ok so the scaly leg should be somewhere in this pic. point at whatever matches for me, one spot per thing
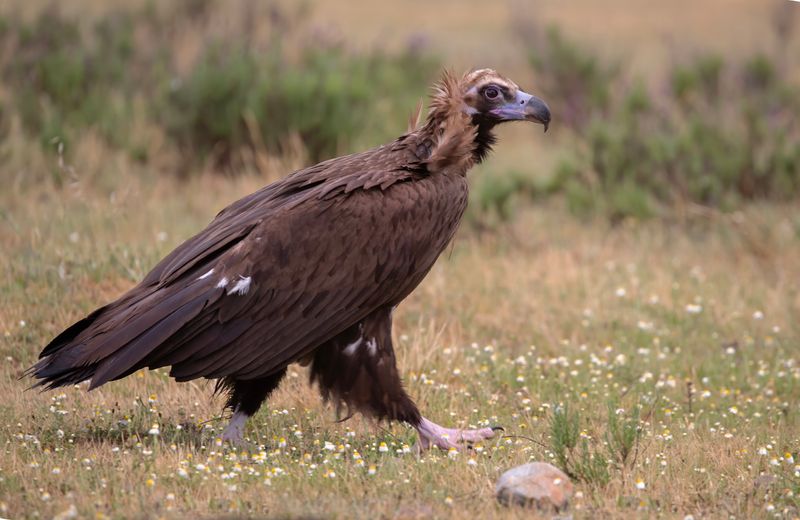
(234, 432)
(357, 370)
(431, 434)
(245, 398)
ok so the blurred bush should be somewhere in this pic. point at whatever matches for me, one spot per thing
(58, 83)
(64, 77)
(721, 132)
(576, 83)
(714, 131)
(234, 98)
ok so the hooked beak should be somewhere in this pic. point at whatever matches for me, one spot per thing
(524, 108)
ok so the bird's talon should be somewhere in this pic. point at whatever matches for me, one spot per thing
(432, 434)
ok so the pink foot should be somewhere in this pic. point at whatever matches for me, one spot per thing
(234, 432)
(431, 434)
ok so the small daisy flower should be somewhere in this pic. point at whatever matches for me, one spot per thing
(694, 308)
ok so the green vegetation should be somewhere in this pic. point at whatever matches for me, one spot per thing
(713, 133)
(653, 359)
(328, 99)
(590, 460)
(237, 93)
(572, 450)
(660, 373)
(721, 133)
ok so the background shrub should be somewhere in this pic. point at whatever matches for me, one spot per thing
(719, 134)
(238, 93)
(711, 132)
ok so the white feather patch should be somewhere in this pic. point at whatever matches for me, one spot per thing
(242, 286)
(372, 347)
(350, 349)
(209, 273)
(222, 283)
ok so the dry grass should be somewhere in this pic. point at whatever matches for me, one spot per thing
(694, 320)
(508, 325)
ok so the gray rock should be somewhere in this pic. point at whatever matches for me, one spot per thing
(536, 484)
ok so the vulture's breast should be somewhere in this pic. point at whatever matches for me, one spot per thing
(420, 220)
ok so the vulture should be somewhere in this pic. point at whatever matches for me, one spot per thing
(306, 270)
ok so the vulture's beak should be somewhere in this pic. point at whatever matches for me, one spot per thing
(525, 108)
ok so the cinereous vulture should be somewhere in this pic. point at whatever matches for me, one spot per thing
(307, 269)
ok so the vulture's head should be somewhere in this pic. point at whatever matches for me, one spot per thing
(488, 98)
(491, 99)
(465, 110)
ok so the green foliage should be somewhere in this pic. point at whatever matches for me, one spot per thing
(576, 83)
(233, 98)
(494, 195)
(583, 457)
(4, 119)
(325, 101)
(722, 131)
(61, 85)
(573, 452)
(66, 78)
(207, 108)
(623, 434)
(701, 77)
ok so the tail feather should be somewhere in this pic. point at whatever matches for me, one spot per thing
(66, 337)
(145, 314)
(173, 352)
(128, 357)
(196, 365)
(117, 339)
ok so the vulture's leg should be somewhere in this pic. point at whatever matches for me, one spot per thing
(431, 434)
(245, 398)
(358, 369)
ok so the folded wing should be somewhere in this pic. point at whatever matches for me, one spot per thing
(272, 277)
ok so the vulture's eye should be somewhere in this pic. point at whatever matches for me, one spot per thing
(491, 93)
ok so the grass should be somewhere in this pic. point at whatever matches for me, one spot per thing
(686, 328)
(657, 362)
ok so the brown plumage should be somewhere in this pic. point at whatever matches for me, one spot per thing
(307, 269)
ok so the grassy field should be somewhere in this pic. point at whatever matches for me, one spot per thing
(684, 330)
(693, 322)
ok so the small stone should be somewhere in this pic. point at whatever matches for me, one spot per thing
(536, 484)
